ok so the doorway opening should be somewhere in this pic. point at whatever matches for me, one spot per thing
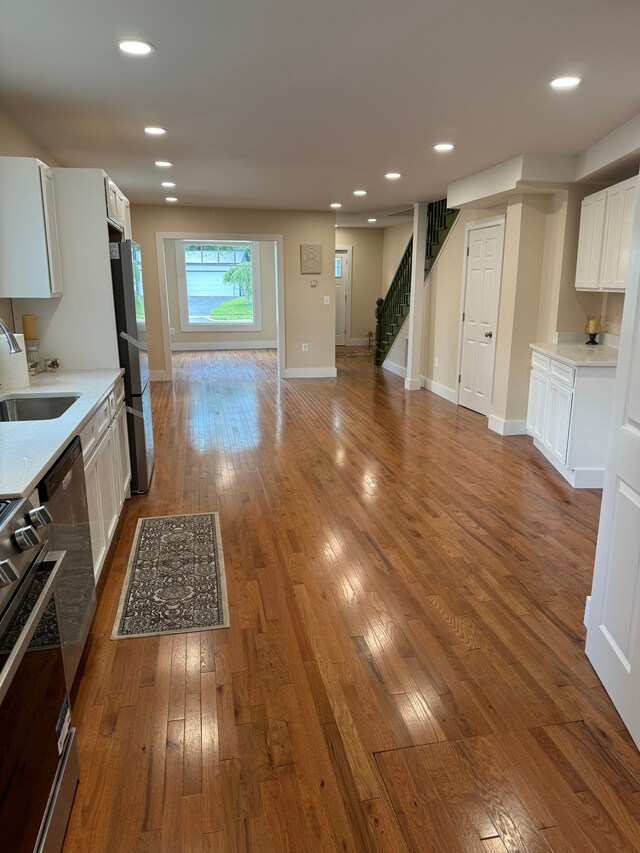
(342, 273)
(221, 292)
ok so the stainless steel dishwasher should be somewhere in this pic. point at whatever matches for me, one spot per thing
(64, 493)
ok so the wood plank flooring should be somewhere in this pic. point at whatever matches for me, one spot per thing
(404, 670)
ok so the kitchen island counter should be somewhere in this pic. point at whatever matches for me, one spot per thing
(29, 448)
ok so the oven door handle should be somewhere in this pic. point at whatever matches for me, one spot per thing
(22, 643)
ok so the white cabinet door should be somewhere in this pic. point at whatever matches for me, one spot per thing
(590, 240)
(96, 524)
(29, 252)
(613, 620)
(537, 409)
(127, 220)
(51, 229)
(110, 510)
(617, 234)
(121, 464)
(558, 421)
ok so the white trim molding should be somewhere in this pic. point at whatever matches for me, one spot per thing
(392, 367)
(503, 427)
(441, 390)
(579, 478)
(310, 373)
(224, 345)
(160, 376)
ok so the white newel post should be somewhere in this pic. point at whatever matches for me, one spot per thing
(416, 326)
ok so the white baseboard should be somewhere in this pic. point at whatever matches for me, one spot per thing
(441, 390)
(224, 345)
(360, 342)
(412, 384)
(579, 478)
(587, 607)
(392, 367)
(507, 427)
(310, 373)
(160, 376)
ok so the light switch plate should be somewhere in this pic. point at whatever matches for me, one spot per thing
(327, 300)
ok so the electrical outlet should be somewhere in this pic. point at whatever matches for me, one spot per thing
(435, 362)
(327, 300)
(305, 347)
(173, 331)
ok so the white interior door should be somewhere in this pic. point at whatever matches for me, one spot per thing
(341, 274)
(613, 614)
(480, 317)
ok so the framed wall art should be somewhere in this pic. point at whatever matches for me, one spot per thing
(310, 259)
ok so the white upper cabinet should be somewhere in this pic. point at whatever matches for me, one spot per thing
(617, 234)
(590, 240)
(605, 237)
(117, 206)
(29, 250)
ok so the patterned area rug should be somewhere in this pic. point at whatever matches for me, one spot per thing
(175, 580)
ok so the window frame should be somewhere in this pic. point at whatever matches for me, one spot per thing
(256, 284)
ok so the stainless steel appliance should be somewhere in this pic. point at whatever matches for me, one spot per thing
(38, 757)
(64, 494)
(128, 297)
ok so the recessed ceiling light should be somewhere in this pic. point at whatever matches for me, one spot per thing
(335, 204)
(372, 220)
(336, 225)
(136, 47)
(443, 146)
(565, 82)
(163, 164)
(393, 176)
(359, 192)
(171, 198)
(155, 131)
(167, 184)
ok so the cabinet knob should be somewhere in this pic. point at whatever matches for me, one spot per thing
(488, 334)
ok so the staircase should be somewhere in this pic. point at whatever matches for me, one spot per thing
(392, 311)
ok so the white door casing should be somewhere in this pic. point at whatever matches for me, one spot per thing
(343, 294)
(481, 300)
(613, 616)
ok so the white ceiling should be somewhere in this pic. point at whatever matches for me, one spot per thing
(290, 104)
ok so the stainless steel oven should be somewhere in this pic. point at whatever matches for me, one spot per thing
(38, 756)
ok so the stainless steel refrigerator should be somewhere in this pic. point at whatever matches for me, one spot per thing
(128, 297)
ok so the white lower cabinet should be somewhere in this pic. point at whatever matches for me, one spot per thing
(568, 416)
(107, 474)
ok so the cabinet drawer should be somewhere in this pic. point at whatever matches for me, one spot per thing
(540, 362)
(102, 418)
(88, 438)
(563, 373)
(119, 393)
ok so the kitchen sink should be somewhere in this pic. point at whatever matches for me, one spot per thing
(34, 408)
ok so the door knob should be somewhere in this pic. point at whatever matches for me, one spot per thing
(488, 334)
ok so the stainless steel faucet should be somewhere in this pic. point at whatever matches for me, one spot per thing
(11, 340)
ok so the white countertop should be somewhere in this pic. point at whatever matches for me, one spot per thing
(579, 355)
(29, 448)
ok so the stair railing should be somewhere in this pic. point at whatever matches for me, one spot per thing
(390, 309)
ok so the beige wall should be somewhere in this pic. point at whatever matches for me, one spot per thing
(268, 300)
(365, 276)
(394, 242)
(308, 320)
(16, 142)
(613, 305)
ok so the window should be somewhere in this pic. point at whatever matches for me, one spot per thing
(219, 285)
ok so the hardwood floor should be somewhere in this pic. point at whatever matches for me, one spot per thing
(404, 668)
